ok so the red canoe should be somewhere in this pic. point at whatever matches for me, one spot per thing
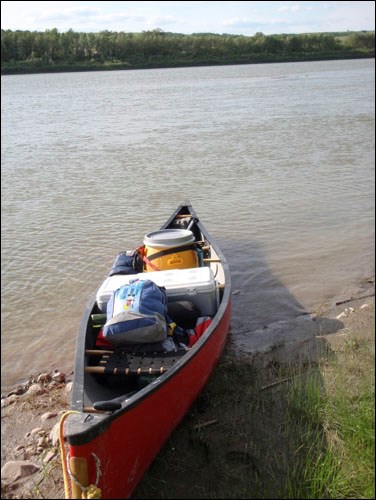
(126, 404)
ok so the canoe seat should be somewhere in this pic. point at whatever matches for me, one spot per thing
(120, 362)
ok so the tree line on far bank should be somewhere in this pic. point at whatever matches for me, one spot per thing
(32, 51)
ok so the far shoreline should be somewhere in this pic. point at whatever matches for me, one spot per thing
(29, 69)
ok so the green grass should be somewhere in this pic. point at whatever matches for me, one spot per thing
(334, 420)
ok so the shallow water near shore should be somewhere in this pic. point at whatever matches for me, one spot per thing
(277, 160)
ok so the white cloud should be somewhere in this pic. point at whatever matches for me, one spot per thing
(160, 21)
(289, 8)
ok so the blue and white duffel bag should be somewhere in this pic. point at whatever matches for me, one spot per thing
(137, 314)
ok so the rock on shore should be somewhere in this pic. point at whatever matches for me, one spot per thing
(30, 454)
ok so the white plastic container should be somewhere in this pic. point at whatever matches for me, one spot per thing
(167, 238)
(195, 284)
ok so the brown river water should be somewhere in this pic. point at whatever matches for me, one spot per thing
(277, 160)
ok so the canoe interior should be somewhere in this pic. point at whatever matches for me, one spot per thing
(93, 386)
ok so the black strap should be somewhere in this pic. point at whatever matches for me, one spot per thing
(170, 251)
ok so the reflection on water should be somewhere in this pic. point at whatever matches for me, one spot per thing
(277, 160)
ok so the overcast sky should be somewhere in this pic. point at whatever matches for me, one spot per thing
(232, 17)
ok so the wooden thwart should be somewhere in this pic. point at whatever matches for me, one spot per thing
(125, 371)
(113, 362)
(97, 352)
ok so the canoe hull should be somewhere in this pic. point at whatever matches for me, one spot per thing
(113, 449)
